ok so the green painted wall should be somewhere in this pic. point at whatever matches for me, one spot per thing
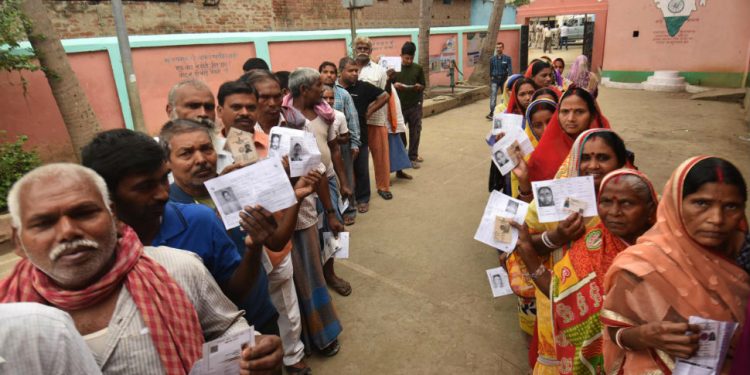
(712, 79)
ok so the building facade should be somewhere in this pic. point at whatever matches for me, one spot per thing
(81, 19)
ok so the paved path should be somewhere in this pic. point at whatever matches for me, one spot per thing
(421, 302)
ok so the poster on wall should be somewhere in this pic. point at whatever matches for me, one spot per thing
(442, 61)
(474, 46)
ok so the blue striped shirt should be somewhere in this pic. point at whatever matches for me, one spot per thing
(500, 67)
(343, 102)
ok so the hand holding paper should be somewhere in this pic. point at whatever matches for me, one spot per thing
(258, 223)
(556, 199)
(264, 184)
(222, 356)
(494, 228)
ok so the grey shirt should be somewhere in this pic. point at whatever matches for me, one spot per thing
(129, 348)
(39, 339)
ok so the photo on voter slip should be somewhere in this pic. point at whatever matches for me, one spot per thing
(495, 229)
(264, 183)
(499, 282)
(504, 122)
(557, 199)
(506, 152)
(280, 140)
(241, 145)
(391, 62)
(713, 346)
(304, 155)
(222, 356)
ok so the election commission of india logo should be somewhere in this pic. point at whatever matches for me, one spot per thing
(676, 12)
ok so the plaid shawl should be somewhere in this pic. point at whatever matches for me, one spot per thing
(164, 306)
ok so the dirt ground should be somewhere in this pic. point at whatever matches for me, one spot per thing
(421, 302)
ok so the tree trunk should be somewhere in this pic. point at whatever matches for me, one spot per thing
(481, 74)
(79, 118)
(425, 20)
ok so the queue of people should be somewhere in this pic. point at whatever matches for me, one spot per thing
(138, 270)
(615, 293)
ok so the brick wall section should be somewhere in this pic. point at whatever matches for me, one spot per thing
(80, 19)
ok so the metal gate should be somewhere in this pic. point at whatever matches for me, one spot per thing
(524, 52)
(588, 40)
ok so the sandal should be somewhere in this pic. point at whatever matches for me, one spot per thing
(332, 349)
(342, 287)
(385, 194)
(299, 370)
(404, 175)
(363, 207)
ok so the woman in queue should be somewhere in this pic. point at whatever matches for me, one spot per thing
(576, 113)
(627, 209)
(684, 266)
(595, 152)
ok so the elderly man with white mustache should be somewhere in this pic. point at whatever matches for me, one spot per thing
(140, 310)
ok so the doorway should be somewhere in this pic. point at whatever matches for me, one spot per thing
(568, 37)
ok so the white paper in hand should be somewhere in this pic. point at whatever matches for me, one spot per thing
(391, 62)
(304, 155)
(504, 122)
(713, 345)
(501, 205)
(222, 356)
(279, 140)
(506, 153)
(499, 282)
(264, 183)
(335, 247)
(556, 199)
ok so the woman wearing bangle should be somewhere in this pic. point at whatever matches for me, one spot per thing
(627, 207)
(684, 266)
(596, 152)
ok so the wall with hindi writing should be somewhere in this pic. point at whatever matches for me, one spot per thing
(709, 44)
(157, 69)
(160, 61)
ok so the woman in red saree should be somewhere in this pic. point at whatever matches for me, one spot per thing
(576, 113)
(684, 266)
(520, 96)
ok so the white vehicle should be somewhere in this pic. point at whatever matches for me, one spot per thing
(575, 27)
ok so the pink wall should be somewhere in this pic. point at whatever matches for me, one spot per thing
(544, 8)
(510, 38)
(292, 55)
(35, 112)
(714, 38)
(388, 46)
(158, 69)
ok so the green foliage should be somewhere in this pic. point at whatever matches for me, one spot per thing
(518, 3)
(14, 163)
(13, 24)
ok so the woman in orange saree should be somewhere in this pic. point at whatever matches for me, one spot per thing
(684, 266)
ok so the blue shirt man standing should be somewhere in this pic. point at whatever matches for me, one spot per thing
(501, 68)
